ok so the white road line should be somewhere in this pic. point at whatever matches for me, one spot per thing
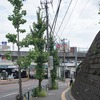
(8, 94)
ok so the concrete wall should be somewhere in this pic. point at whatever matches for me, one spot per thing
(87, 82)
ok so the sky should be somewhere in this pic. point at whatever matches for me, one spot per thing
(80, 25)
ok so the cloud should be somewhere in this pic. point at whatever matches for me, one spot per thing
(80, 29)
(83, 24)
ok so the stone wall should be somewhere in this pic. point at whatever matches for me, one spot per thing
(87, 81)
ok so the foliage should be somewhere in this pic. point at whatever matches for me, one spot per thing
(17, 20)
(54, 53)
(17, 15)
(37, 93)
(25, 62)
(42, 93)
(55, 85)
(11, 38)
(36, 39)
(8, 55)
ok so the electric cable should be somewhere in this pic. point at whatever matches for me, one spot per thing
(55, 18)
(78, 17)
(70, 16)
(64, 16)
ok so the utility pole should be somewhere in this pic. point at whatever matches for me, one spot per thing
(75, 51)
(63, 41)
(48, 39)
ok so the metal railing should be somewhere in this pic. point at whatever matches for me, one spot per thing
(29, 95)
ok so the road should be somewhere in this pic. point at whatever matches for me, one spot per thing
(9, 92)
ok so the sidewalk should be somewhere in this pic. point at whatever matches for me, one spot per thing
(56, 94)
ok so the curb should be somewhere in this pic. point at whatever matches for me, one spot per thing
(71, 95)
(63, 97)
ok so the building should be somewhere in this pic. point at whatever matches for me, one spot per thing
(69, 66)
(70, 60)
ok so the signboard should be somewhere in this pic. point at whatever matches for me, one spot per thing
(61, 46)
(4, 43)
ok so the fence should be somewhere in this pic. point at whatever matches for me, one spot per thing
(29, 95)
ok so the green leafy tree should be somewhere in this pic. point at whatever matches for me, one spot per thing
(11, 38)
(39, 44)
(25, 62)
(8, 55)
(54, 53)
(17, 20)
(36, 39)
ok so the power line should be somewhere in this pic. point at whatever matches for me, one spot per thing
(79, 16)
(70, 16)
(52, 6)
(53, 34)
(55, 18)
(64, 16)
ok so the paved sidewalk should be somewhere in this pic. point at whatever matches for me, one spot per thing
(54, 94)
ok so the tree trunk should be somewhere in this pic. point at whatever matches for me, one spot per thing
(28, 72)
(40, 85)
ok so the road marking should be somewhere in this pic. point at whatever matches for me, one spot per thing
(51, 94)
(63, 94)
(8, 94)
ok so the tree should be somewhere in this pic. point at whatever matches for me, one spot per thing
(54, 53)
(8, 55)
(36, 39)
(11, 38)
(17, 21)
(25, 62)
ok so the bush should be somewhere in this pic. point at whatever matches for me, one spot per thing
(42, 93)
(37, 93)
(55, 86)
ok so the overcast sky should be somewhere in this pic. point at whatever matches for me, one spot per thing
(79, 27)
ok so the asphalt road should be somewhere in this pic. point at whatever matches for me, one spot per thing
(9, 92)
